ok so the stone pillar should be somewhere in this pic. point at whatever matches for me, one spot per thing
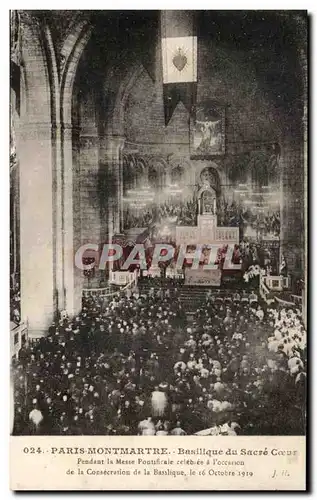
(88, 185)
(292, 206)
(112, 162)
(199, 206)
(70, 206)
(59, 294)
(36, 226)
(283, 196)
(121, 186)
(14, 190)
(78, 213)
(35, 138)
(303, 60)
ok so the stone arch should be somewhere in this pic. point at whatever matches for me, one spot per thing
(53, 73)
(209, 175)
(215, 168)
(177, 174)
(202, 195)
(35, 70)
(74, 30)
(141, 171)
(135, 170)
(157, 168)
(72, 51)
(128, 164)
(263, 167)
(204, 189)
(176, 161)
(71, 54)
(48, 107)
(117, 118)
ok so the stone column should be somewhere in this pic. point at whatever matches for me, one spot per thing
(111, 159)
(70, 206)
(112, 165)
(303, 59)
(292, 207)
(121, 185)
(35, 139)
(88, 185)
(36, 226)
(59, 294)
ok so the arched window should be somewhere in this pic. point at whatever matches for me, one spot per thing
(260, 170)
(210, 177)
(153, 178)
(177, 175)
(128, 173)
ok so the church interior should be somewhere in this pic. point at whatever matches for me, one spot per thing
(145, 128)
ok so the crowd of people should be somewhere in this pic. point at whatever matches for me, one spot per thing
(139, 364)
(252, 253)
(261, 224)
(253, 224)
(249, 254)
(182, 213)
(272, 223)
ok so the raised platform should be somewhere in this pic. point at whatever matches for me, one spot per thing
(203, 277)
(192, 297)
(207, 233)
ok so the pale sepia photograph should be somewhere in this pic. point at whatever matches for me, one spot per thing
(158, 223)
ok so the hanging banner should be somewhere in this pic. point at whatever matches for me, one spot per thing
(174, 93)
(179, 57)
(179, 60)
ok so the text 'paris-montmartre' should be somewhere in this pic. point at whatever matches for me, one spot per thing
(165, 451)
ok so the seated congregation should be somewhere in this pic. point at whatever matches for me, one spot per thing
(140, 365)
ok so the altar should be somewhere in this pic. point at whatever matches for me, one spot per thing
(207, 231)
(203, 277)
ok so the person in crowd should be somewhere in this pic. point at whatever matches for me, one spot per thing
(15, 302)
(35, 417)
(178, 431)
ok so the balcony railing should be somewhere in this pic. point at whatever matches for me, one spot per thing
(18, 338)
(123, 280)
